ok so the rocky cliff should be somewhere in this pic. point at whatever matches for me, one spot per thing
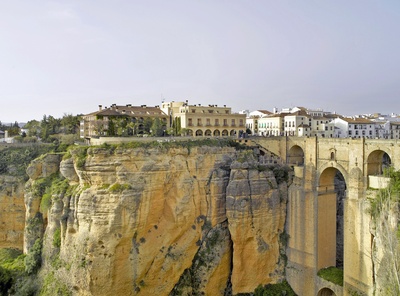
(157, 221)
(12, 212)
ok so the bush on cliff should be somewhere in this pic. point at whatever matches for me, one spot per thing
(14, 160)
(385, 214)
(33, 259)
(13, 279)
(282, 288)
(332, 274)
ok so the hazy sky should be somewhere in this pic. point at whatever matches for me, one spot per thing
(70, 56)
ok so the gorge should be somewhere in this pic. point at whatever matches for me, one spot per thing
(207, 217)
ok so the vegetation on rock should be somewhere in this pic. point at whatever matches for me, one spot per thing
(282, 288)
(385, 213)
(14, 160)
(13, 278)
(332, 274)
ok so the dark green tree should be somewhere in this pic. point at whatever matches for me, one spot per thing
(33, 127)
(70, 124)
(148, 122)
(157, 128)
(176, 126)
(111, 131)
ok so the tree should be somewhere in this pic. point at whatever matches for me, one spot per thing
(69, 124)
(148, 122)
(33, 127)
(176, 126)
(157, 128)
(111, 131)
(44, 128)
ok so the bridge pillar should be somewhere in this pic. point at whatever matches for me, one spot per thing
(301, 228)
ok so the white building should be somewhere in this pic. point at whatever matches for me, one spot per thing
(354, 128)
(253, 118)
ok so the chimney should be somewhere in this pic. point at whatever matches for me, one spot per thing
(100, 107)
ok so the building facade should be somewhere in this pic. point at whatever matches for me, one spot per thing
(125, 120)
(205, 121)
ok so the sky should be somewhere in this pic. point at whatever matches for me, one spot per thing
(67, 57)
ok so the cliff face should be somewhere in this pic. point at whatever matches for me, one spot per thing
(158, 222)
(12, 212)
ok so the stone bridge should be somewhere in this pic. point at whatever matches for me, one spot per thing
(327, 228)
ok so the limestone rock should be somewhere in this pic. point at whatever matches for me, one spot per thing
(256, 217)
(12, 212)
(153, 221)
(68, 171)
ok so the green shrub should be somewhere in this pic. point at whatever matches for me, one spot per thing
(55, 184)
(5, 280)
(282, 288)
(116, 187)
(332, 274)
(33, 259)
(15, 160)
(45, 203)
(39, 186)
(80, 154)
(13, 279)
(281, 173)
(52, 286)
(57, 238)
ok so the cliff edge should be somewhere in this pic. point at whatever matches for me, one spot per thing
(157, 221)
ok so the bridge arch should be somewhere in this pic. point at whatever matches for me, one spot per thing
(296, 155)
(332, 185)
(326, 292)
(377, 161)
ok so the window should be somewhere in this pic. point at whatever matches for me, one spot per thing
(190, 123)
(198, 121)
(225, 122)
(233, 122)
(193, 110)
(208, 122)
(216, 122)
